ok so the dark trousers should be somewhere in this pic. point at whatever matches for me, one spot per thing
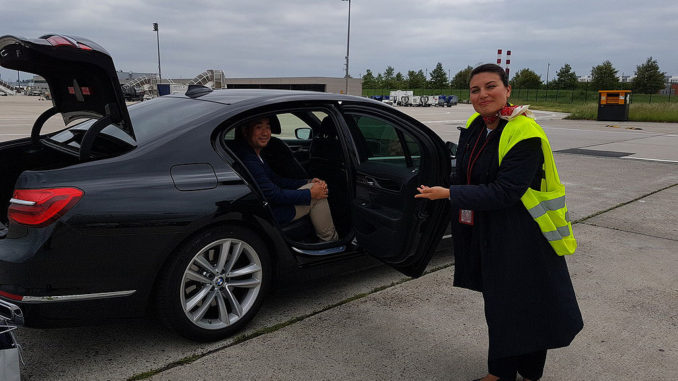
(529, 365)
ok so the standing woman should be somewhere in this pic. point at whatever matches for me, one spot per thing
(510, 229)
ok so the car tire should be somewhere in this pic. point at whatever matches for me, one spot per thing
(214, 284)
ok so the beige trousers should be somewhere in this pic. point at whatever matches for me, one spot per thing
(321, 216)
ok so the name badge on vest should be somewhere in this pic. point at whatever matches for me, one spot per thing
(466, 216)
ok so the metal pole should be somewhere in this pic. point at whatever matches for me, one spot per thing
(348, 41)
(548, 68)
(157, 34)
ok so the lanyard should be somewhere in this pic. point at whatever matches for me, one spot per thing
(472, 160)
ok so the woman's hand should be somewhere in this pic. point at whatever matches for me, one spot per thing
(432, 193)
(318, 190)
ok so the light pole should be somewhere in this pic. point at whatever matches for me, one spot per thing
(348, 40)
(157, 34)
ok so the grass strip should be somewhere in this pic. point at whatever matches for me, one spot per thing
(270, 329)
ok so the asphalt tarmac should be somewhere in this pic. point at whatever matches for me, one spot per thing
(363, 321)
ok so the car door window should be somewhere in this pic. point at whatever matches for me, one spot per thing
(289, 123)
(386, 144)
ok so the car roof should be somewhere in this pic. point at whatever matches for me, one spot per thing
(263, 96)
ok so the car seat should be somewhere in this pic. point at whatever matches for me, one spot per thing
(280, 157)
(327, 162)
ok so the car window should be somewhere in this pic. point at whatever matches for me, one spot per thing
(386, 143)
(289, 123)
(150, 120)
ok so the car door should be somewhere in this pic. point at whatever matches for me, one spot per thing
(394, 155)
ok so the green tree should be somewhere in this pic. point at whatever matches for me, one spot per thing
(399, 81)
(526, 79)
(462, 78)
(648, 78)
(379, 81)
(416, 80)
(389, 78)
(369, 81)
(604, 77)
(566, 78)
(438, 77)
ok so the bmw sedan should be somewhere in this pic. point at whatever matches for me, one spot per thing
(148, 207)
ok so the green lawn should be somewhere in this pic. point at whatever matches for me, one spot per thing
(638, 112)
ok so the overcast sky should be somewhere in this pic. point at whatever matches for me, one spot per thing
(267, 38)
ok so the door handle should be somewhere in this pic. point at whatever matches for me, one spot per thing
(371, 181)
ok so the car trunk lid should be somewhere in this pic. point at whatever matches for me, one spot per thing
(80, 73)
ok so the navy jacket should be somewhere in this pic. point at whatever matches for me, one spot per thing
(530, 304)
(281, 192)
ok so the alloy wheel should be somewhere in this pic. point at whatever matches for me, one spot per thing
(221, 284)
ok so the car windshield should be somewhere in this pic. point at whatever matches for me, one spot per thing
(150, 119)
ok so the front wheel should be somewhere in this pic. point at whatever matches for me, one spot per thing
(214, 284)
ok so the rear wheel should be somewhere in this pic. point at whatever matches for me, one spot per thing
(214, 284)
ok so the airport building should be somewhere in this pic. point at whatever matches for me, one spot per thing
(216, 79)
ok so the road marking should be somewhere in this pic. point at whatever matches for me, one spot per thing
(546, 126)
(445, 121)
(649, 159)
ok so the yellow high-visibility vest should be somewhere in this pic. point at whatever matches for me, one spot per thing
(547, 205)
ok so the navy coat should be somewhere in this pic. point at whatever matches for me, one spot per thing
(530, 304)
(281, 192)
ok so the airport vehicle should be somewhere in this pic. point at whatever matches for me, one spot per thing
(132, 94)
(447, 100)
(148, 206)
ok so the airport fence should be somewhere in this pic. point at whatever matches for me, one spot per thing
(527, 96)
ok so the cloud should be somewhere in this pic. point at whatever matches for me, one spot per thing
(308, 37)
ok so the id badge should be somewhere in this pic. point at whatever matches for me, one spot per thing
(466, 216)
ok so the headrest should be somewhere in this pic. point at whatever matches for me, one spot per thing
(275, 124)
(327, 128)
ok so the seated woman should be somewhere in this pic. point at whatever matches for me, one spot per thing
(290, 199)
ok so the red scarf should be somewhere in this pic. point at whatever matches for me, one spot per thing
(505, 111)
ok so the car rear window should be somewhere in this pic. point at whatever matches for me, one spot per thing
(150, 119)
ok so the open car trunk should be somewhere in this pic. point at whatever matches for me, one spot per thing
(19, 156)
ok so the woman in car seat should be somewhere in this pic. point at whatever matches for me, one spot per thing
(509, 251)
(290, 199)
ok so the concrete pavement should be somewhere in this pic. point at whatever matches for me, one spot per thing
(626, 285)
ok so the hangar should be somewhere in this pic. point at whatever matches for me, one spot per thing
(216, 79)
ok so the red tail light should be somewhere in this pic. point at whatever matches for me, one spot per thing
(66, 41)
(60, 41)
(41, 207)
(11, 296)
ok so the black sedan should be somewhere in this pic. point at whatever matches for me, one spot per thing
(148, 206)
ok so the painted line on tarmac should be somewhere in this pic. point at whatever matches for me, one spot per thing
(444, 121)
(616, 131)
(650, 159)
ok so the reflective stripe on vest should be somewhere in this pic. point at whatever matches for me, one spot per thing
(546, 206)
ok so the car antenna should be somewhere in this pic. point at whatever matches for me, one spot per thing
(195, 91)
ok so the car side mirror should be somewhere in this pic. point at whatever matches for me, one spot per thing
(303, 133)
(452, 147)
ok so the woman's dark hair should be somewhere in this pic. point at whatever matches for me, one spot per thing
(491, 68)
